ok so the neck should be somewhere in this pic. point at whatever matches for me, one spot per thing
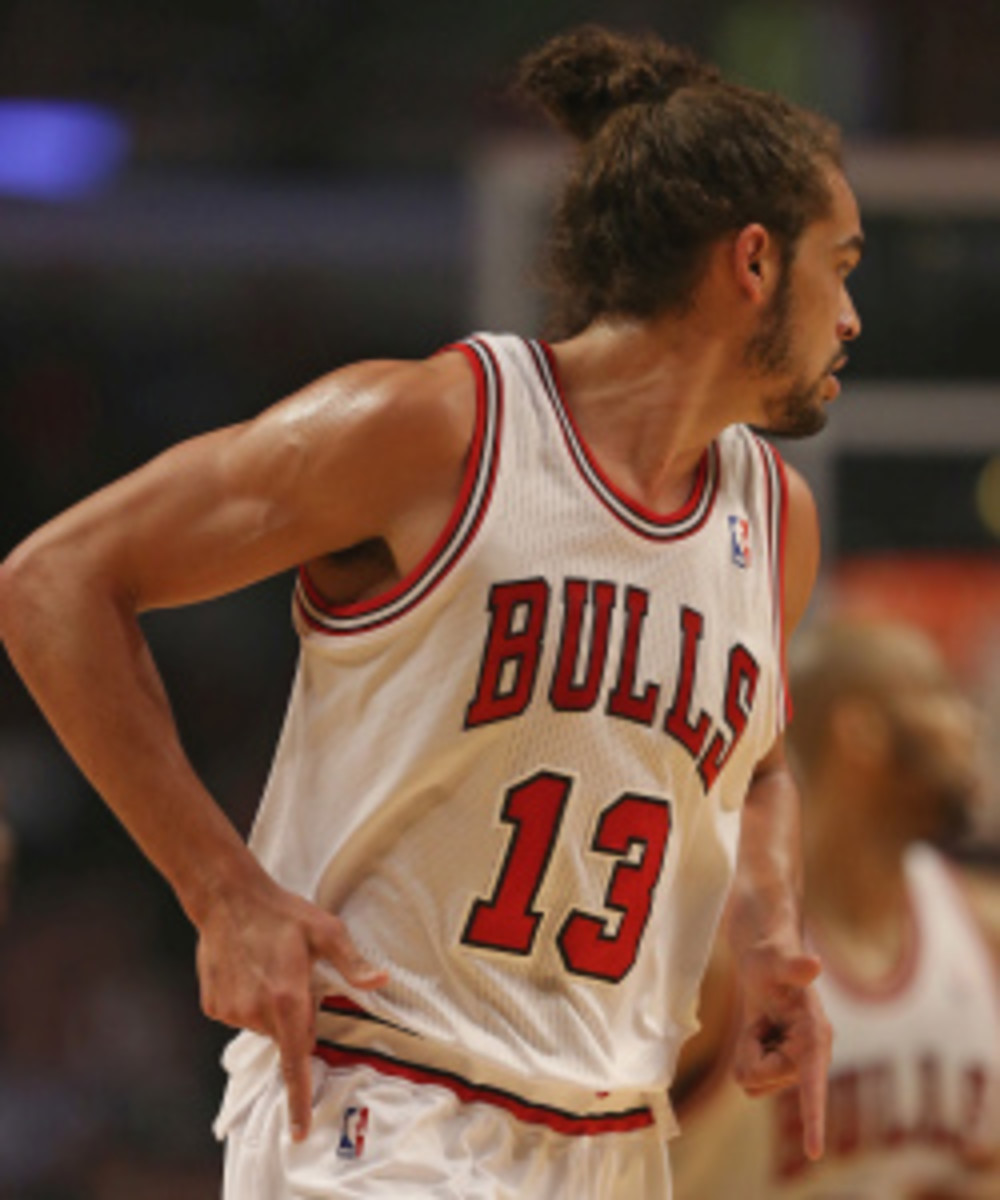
(648, 398)
(856, 899)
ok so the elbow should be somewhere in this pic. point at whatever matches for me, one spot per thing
(22, 582)
(40, 583)
(12, 572)
(64, 582)
(51, 580)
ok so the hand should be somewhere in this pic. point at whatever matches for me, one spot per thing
(256, 950)
(785, 1039)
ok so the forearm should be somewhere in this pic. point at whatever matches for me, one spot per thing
(77, 644)
(766, 900)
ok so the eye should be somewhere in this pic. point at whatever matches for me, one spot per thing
(847, 267)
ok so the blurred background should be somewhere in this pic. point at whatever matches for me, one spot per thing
(205, 204)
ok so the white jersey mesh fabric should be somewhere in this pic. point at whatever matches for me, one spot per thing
(518, 775)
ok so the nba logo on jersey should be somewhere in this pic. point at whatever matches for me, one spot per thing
(739, 538)
(352, 1132)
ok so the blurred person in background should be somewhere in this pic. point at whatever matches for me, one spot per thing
(885, 750)
(536, 732)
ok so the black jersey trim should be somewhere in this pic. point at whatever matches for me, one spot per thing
(337, 1054)
(656, 526)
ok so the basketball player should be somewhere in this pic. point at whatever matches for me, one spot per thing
(542, 612)
(885, 749)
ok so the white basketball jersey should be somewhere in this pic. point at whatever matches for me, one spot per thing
(912, 1102)
(518, 774)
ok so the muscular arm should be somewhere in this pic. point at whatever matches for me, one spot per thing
(206, 518)
(786, 1039)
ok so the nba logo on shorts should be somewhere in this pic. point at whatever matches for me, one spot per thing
(739, 538)
(352, 1132)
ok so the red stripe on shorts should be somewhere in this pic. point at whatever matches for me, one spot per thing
(573, 1124)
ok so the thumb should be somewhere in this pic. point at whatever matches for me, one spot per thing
(331, 941)
(797, 970)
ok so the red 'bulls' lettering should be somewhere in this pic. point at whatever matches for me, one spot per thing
(878, 1106)
(513, 654)
(565, 694)
(691, 736)
(510, 664)
(624, 702)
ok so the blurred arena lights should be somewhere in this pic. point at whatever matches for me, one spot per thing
(59, 149)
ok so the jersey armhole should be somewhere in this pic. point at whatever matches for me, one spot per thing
(780, 552)
(318, 615)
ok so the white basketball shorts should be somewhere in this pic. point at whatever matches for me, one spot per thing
(378, 1135)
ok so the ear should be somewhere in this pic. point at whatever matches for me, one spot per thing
(756, 263)
(860, 733)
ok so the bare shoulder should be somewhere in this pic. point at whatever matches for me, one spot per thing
(363, 453)
(371, 439)
(393, 409)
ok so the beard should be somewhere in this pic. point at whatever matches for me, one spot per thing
(796, 410)
(954, 819)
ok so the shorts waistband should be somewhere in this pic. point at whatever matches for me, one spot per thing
(348, 1035)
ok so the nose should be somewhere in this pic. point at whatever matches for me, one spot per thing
(849, 324)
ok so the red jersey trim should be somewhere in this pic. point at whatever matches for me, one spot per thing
(663, 527)
(894, 982)
(573, 1124)
(466, 517)
(780, 581)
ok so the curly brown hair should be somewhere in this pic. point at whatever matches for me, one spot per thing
(670, 158)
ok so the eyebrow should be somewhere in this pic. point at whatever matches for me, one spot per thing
(855, 242)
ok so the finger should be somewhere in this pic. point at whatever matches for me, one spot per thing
(813, 1070)
(760, 1070)
(774, 966)
(798, 970)
(812, 1103)
(763, 1079)
(332, 942)
(770, 1088)
(294, 1032)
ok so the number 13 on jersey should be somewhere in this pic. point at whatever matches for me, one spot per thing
(508, 922)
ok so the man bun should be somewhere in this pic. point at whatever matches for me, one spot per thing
(582, 77)
(670, 158)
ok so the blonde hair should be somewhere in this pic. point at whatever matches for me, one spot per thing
(876, 660)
